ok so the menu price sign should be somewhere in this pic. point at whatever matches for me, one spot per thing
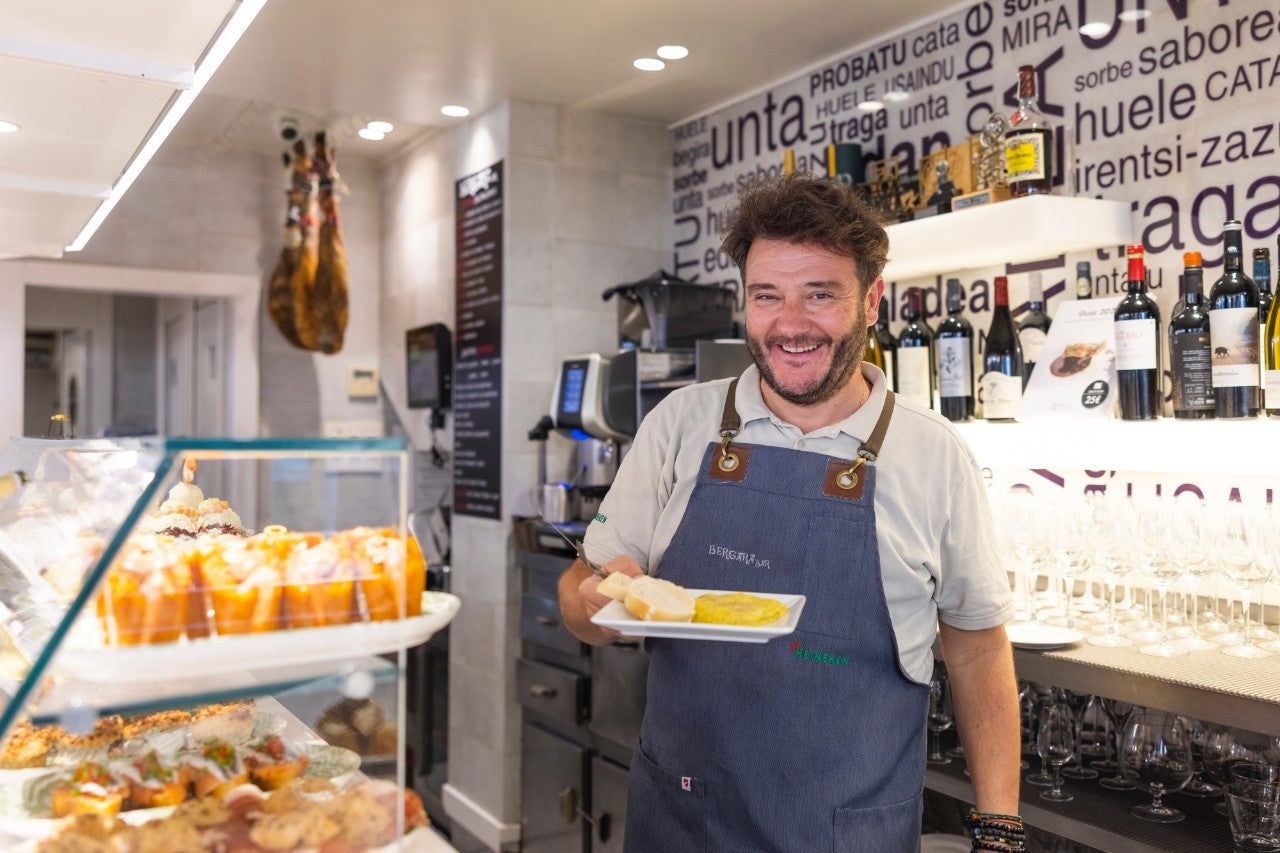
(1075, 375)
(477, 380)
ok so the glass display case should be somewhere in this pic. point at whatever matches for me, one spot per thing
(206, 639)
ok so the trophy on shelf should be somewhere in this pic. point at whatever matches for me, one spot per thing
(989, 171)
(886, 190)
(936, 185)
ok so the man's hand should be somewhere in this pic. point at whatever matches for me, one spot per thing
(580, 599)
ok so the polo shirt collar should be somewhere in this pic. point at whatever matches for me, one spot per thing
(859, 425)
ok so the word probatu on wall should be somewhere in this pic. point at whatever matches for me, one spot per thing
(1174, 113)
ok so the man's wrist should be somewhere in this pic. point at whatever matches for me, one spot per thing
(998, 833)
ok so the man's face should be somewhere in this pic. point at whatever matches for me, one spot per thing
(806, 318)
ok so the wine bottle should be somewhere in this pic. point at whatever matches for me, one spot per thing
(915, 354)
(1137, 328)
(953, 346)
(1033, 328)
(1028, 145)
(873, 354)
(1001, 361)
(1262, 278)
(1190, 354)
(887, 344)
(1271, 346)
(1084, 280)
(1233, 323)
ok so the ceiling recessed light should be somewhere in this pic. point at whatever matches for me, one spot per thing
(673, 51)
(455, 111)
(1095, 29)
(648, 63)
(1134, 14)
(381, 126)
(870, 106)
(896, 95)
(8, 127)
(370, 134)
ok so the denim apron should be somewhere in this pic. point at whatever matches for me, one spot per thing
(813, 741)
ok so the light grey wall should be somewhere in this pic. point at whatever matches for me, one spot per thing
(221, 211)
(585, 203)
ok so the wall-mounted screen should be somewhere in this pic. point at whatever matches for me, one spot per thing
(429, 366)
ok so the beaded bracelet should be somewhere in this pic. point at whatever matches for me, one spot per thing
(996, 832)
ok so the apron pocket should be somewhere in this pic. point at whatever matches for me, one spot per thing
(665, 811)
(893, 828)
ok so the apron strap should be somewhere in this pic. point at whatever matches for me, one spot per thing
(844, 478)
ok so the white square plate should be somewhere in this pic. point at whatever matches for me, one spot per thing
(614, 615)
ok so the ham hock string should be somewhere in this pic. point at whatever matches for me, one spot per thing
(307, 294)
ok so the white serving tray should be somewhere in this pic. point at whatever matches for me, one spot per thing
(614, 615)
(269, 650)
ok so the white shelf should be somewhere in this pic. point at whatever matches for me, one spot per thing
(1167, 445)
(1022, 229)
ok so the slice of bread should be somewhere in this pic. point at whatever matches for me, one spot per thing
(657, 600)
(615, 586)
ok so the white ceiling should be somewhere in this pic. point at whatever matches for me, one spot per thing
(87, 79)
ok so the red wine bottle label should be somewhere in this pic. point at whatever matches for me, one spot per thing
(1032, 341)
(913, 374)
(954, 379)
(1234, 334)
(1136, 345)
(1191, 367)
(1001, 395)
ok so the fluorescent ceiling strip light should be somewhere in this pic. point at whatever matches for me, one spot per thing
(97, 62)
(235, 27)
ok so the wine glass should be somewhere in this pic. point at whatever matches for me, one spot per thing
(940, 718)
(1075, 769)
(1042, 695)
(1200, 735)
(1156, 755)
(1246, 546)
(1110, 565)
(1022, 523)
(1056, 744)
(1159, 563)
(1071, 545)
(1189, 541)
(1117, 712)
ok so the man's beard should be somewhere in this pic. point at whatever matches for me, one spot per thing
(846, 355)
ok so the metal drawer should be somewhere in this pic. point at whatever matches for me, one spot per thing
(608, 805)
(553, 790)
(559, 694)
(619, 675)
(540, 623)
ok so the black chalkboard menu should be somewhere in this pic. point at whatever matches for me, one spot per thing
(477, 388)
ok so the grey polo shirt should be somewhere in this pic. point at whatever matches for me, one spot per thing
(938, 555)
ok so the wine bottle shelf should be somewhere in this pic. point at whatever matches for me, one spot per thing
(1022, 229)
(1100, 818)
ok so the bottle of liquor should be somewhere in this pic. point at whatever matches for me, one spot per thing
(1233, 322)
(1001, 361)
(1262, 278)
(886, 343)
(915, 354)
(1084, 280)
(1033, 328)
(1190, 353)
(1137, 326)
(953, 346)
(1028, 146)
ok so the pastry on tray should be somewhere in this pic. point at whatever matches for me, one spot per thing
(215, 767)
(91, 788)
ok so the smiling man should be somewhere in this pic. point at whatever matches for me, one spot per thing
(870, 506)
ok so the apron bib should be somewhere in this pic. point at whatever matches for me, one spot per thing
(813, 741)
